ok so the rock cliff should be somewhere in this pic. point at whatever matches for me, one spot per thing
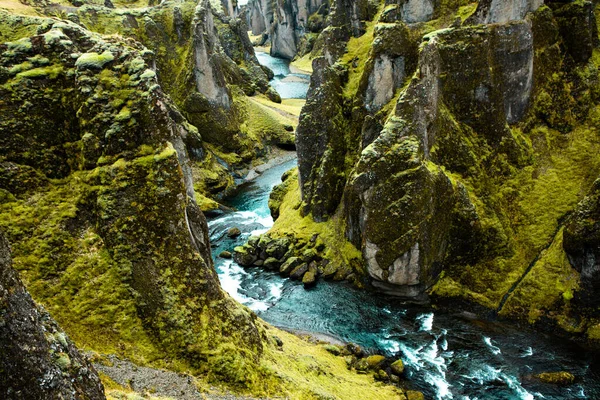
(287, 23)
(434, 139)
(98, 198)
(38, 360)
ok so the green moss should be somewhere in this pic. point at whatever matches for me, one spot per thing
(51, 72)
(75, 277)
(94, 60)
(205, 203)
(547, 287)
(357, 54)
(331, 234)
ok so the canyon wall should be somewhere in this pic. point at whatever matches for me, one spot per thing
(98, 201)
(444, 140)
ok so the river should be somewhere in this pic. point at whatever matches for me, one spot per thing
(447, 356)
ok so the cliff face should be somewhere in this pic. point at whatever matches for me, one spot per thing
(38, 359)
(98, 198)
(431, 146)
(286, 22)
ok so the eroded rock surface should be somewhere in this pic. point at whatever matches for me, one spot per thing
(38, 360)
(88, 110)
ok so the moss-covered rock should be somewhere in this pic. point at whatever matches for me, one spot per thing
(107, 232)
(397, 367)
(557, 378)
(452, 169)
(35, 350)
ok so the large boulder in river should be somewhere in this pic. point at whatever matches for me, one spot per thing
(38, 360)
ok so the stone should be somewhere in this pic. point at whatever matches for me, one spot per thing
(355, 349)
(329, 271)
(233, 232)
(375, 361)
(382, 376)
(258, 263)
(299, 271)
(362, 365)
(309, 279)
(277, 248)
(397, 367)
(414, 395)
(309, 255)
(225, 254)
(557, 378)
(289, 265)
(272, 264)
(243, 255)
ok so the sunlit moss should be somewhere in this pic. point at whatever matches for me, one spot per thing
(331, 233)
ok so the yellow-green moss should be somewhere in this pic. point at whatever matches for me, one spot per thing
(331, 233)
(309, 371)
(550, 284)
(529, 204)
(75, 277)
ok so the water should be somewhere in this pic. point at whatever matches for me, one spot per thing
(289, 85)
(447, 356)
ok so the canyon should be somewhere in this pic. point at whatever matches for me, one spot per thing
(404, 183)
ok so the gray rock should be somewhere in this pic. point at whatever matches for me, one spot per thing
(289, 265)
(299, 272)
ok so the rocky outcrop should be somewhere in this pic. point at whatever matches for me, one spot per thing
(285, 22)
(404, 136)
(38, 360)
(501, 11)
(204, 51)
(581, 241)
(133, 259)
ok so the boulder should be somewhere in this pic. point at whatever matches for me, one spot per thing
(309, 279)
(243, 255)
(233, 232)
(299, 272)
(289, 265)
(382, 376)
(271, 264)
(225, 254)
(414, 395)
(375, 361)
(397, 367)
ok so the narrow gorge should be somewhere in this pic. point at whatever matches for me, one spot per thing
(299, 199)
